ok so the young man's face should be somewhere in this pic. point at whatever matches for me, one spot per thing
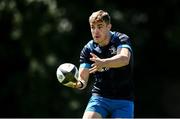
(100, 31)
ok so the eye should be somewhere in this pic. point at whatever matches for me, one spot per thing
(99, 27)
(92, 27)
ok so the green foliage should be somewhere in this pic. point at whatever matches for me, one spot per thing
(38, 35)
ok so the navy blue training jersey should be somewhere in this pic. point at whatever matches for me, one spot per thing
(114, 83)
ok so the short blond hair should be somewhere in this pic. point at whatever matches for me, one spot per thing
(100, 16)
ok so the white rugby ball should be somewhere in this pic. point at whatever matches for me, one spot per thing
(67, 72)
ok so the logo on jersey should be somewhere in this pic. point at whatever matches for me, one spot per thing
(104, 69)
(113, 50)
(97, 49)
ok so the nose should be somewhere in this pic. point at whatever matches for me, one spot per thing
(96, 30)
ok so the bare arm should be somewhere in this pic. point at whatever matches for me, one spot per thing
(120, 59)
(82, 78)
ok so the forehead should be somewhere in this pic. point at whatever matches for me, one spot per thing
(97, 23)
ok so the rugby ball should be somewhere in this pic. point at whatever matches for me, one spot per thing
(67, 72)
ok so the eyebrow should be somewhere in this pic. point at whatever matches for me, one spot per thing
(97, 24)
(100, 25)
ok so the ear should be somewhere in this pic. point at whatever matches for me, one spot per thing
(109, 26)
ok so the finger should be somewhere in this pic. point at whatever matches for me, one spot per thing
(92, 65)
(70, 84)
(93, 59)
(92, 70)
(93, 55)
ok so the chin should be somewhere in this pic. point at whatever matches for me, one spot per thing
(96, 41)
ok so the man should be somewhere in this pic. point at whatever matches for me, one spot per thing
(109, 58)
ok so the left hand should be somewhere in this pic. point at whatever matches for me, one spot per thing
(97, 65)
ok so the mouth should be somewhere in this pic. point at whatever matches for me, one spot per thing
(97, 37)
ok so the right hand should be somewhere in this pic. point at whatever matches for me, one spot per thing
(73, 84)
(70, 84)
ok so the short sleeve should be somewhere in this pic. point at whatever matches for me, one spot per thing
(85, 56)
(123, 41)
